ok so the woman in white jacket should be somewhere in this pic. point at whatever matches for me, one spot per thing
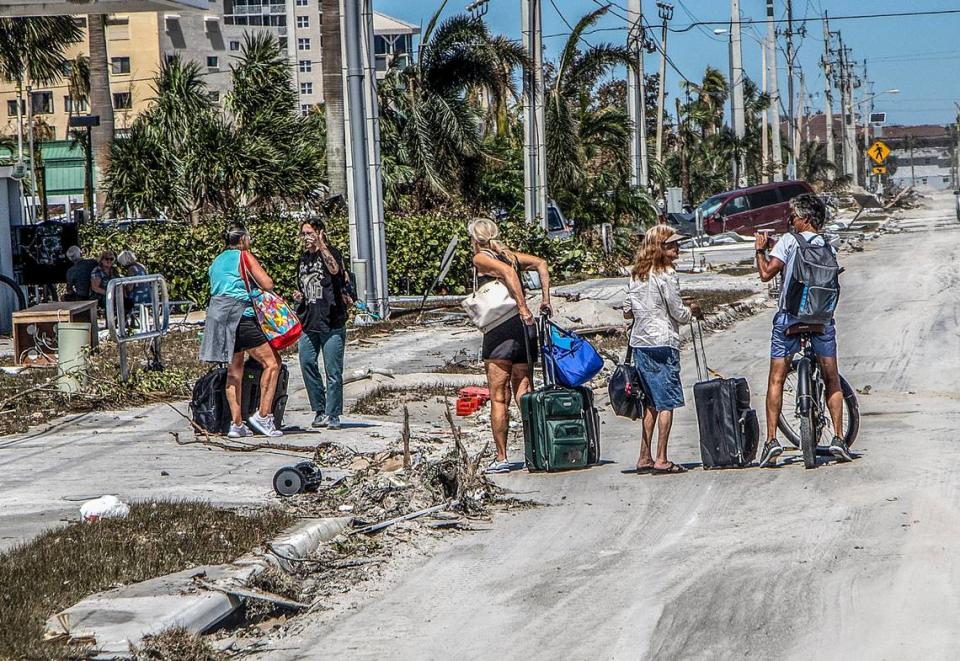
(655, 305)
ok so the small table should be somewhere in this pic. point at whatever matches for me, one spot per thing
(46, 316)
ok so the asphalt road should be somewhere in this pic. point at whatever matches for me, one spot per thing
(846, 561)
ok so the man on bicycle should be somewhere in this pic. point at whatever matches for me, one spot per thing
(807, 216)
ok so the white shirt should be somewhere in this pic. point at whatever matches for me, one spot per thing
(657, 310)
(786, 251)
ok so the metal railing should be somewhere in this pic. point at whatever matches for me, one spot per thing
(159, 308)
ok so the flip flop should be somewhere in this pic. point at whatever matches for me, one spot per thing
(675, 469)
(644, 470)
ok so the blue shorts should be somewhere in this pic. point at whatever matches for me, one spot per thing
(782, 346)
(659, 370)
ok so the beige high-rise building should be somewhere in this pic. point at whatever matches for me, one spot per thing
(138, 42)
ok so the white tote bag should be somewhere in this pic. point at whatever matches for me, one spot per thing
(490, 305)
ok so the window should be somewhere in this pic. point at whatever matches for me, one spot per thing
(42, 103)
(303, 43)
(213, 62)
(70, 107)
(303, 21)
(171, 57)
(234, 45)
(304, 108)
(306, 88)
(924, 181)
(119, 65)
(122, 101)
(305, 66)
(118, 28)
(763, 198)
(737, 204)
(214, 97)
(302, 3)
(12, 108)
(946, 180)
(790, 191)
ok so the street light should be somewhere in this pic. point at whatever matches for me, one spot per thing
(87, 122)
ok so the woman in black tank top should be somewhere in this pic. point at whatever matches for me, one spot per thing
(511, 348)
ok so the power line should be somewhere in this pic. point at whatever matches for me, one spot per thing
(850, 17)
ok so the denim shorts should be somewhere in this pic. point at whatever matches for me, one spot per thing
(659, 370)
(782, 346)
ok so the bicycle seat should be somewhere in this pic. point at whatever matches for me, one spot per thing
(805, 329)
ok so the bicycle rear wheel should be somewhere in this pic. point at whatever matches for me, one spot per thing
(789, 422)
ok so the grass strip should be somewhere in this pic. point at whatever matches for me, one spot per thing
(62, 566)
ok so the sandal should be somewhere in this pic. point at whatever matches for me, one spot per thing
(644, 470)
(673, 469)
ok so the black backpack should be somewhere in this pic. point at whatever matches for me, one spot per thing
(814, 288)
(209, 402)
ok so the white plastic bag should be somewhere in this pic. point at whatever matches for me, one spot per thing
(104, 507)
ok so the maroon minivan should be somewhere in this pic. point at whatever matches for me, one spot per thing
(747, 210)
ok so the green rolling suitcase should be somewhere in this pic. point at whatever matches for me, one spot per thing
(555, 434)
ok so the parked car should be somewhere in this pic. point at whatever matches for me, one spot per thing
(747, 210)
(558, 226)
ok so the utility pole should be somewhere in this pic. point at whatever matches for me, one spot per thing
(867, 111)
(849, 128)
(736, 99)
(364, 192)
(636, 96)
(827, 63)
(764, 133)
(791, 117)
(534, 152)
(665, 11)
(774, 93)
(799, 124)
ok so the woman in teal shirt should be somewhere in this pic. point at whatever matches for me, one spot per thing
(231, 330)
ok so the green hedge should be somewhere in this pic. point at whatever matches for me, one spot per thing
(415, 246)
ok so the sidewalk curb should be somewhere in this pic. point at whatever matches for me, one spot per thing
(119, 618)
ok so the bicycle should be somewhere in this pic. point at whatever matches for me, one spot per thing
(811, 417)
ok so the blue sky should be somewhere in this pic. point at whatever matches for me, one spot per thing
(918, 55)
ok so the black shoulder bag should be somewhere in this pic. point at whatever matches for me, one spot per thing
(626, 393)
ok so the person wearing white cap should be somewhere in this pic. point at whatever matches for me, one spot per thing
(655, 305)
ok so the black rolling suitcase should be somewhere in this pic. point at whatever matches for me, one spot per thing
(729, 429)
(591, 416)
(250, 391)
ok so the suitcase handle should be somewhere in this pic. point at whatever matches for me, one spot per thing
(696, 332)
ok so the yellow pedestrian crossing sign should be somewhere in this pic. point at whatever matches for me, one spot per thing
(879, 170)
(878, 152)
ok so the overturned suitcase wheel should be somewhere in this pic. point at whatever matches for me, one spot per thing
(288, 481)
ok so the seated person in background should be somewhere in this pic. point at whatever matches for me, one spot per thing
(101, 275)
(78, 275)
(135, 294)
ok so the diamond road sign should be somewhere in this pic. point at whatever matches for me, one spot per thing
(878, 152)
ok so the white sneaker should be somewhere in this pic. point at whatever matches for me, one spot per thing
(497, 466)
(264, 425)
(239, 431)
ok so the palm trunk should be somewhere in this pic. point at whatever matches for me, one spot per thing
(333, 98)
(101, 103)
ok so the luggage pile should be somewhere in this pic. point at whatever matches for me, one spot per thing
(561, 425)
(209, 402)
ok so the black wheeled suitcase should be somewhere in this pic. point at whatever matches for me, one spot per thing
(729, 429)
(591, 416)
(250, 391)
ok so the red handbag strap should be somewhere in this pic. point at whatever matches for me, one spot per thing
(245, 270)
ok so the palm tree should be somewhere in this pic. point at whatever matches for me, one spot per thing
(101, 101)
(712, 93)
(426, 113)
(813, 162)
(333, 98)
(570, 115)
(31, 49)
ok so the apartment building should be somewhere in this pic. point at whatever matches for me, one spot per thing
(137, 44)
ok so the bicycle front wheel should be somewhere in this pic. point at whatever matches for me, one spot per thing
(808, 440)
(789, 422)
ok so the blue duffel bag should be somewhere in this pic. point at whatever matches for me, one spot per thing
(572, 360)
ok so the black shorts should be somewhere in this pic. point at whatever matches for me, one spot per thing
(249, 335)
(505, 342)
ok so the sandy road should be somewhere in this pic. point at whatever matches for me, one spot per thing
(846, 561)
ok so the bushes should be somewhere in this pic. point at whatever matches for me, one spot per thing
(415, 246)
